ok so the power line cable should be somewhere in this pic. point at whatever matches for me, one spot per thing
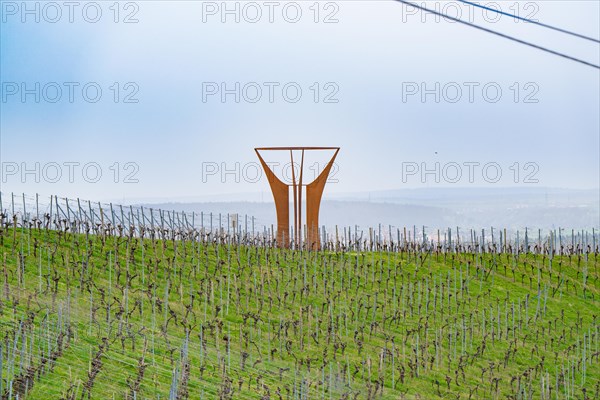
(514, 39)
(532, 21)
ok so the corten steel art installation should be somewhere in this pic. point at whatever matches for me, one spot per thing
(314, 192)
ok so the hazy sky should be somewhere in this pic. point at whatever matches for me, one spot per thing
(187, 91)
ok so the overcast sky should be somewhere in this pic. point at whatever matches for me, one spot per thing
(187, 91)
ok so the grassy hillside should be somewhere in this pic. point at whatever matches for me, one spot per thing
(85, 316)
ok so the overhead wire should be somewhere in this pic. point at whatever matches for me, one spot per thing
(502, 35)
(531, 21)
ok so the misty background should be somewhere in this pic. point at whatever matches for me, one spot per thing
(388, 85)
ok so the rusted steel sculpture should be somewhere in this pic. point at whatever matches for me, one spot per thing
(314, 192)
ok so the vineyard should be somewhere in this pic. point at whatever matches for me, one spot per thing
(103, 313)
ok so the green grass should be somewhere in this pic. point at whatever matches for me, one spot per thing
(287, 324)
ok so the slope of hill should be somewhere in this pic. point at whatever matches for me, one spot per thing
(104, 316)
